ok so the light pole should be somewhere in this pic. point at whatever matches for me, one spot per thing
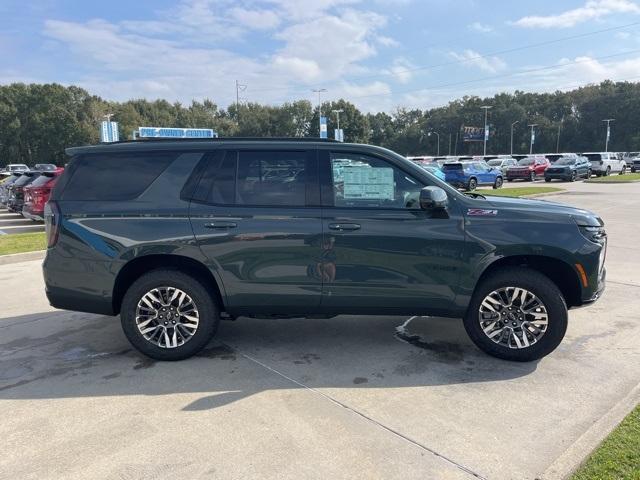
(486, 133)
(606, 142)
(513, 125)
(438, 135)
(533, 137)
(319, 91)
(338, 112)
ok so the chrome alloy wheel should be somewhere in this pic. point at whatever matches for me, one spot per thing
(167, 317)
(513, 317)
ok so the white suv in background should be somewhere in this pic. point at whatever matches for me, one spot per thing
(606, 163)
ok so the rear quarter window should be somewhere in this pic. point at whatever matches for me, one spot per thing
(115, 176)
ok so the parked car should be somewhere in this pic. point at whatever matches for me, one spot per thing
(37, 193)
(528, 168)
(430, 166)
(468, 175)
(634, 164)
(16, 191)
(45, 167)
(568, 169)
(171, 235)
(4, 187)
(502, 163)
(16, 167)
(606, 163)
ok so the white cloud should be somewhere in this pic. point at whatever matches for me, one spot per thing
(487, 64)
(480, 27)
(184, 54)
(401, 70)
(256, 19)
(592, 9)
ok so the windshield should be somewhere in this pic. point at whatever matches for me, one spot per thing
(566, 161)
(495, 163)
(526, 161)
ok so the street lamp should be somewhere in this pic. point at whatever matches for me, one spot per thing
(606, 142)
(533, 137)
(513, 125)
(338, 112)
(438, 135)
(319, 91)
(486, 133)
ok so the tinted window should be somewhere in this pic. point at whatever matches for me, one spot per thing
(26, 179)
(115, 176)
(593, 157)
(271, 178)
(495, 163)
(526, 161)
(365, 182)
(451, 167)
(566, 161)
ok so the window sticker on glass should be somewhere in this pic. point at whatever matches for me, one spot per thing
(368, 183)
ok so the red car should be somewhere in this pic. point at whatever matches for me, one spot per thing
(528, 168)
(37, 194)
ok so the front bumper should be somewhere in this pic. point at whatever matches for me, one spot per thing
(521, 174)
(564, 175)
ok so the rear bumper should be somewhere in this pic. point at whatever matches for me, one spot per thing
(33, 215)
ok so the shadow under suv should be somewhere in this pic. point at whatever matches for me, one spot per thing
(173, 234)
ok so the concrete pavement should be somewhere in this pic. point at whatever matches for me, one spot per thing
(341, 398)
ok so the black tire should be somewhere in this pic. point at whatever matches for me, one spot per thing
(473, 183)
(498, 183)
(509, 179)
(574, 176)
(607, 172)
(532, 177)
(209, 316)
(539, 285)
(624, 170)
(547, 179)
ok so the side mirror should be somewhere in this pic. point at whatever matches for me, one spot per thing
(433, 198)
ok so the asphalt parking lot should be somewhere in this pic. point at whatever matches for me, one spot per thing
(11, 223)
(341, 398)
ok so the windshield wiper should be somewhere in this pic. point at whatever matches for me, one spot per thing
(475, 195)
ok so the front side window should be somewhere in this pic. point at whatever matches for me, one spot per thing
(361, 181)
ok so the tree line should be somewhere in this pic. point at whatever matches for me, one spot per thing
(38, 121)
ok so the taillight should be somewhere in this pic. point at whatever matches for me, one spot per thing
(52, 223)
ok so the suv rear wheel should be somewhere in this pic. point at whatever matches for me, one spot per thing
(498, 183)
(473, 183)
(168, 315)
(517, 314)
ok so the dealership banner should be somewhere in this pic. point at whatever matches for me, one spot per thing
(473, 134)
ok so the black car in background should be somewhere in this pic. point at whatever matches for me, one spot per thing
(15, 201)
(568, 168)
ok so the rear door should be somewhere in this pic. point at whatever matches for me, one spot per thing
(256, 216)
(380, 251)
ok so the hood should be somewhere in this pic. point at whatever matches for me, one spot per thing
(582, 217)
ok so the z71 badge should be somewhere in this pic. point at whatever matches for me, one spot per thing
(481, 212)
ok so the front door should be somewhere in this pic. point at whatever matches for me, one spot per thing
(256, 216)
(380, 251)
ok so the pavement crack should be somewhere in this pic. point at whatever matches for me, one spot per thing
(362, 415)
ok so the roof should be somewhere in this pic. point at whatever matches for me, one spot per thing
(195, 143)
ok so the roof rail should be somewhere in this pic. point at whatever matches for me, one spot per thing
(218, 139)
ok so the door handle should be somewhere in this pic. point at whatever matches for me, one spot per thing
(344, 227)
(220, 225)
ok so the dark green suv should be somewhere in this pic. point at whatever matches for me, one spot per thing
(173, 235)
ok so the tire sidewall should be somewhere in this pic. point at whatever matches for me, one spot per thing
(209, 317)
(473, 183)
(540, 286)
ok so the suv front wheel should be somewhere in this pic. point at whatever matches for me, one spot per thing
(517, 314)
(168, 315)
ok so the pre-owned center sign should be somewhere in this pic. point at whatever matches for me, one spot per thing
(160, 132)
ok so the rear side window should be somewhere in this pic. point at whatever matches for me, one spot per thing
(451, 167)
(115, 176)
(42, 180)
(258, 178)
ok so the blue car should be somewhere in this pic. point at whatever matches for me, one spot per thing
(431, 167)
(468, 175)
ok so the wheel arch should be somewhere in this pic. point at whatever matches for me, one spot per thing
(558, 271)
(137, 267)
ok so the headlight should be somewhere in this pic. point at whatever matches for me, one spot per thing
(594, 234)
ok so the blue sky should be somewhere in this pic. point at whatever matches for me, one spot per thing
(380, 54)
